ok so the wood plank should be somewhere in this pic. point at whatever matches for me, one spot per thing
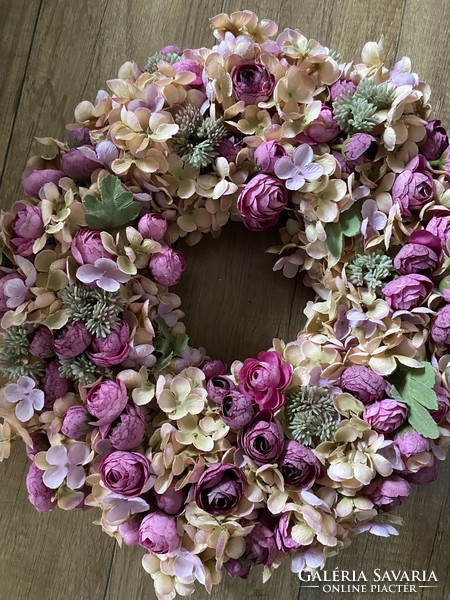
(17, 28)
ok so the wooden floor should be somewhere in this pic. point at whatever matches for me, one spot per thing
(55, 53)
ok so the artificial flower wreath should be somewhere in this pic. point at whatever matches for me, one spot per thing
(288, 454)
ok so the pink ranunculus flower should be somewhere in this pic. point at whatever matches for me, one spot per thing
(72, 340)
(75, 423)
(167, 266)
(237, 410)
(218, 387)
(53, 384)
(386, 415)
(299, 465)
(440, 226)
(264, 379)
(128, 431)
(267, 154)
(422, 254)
(364, 383)
(77, 166)
(236, 567)
(158, 533)
(125, 473)
(261, 202)
(106, 400)
(39, 494)
(41, 344)
(213, 368)
(104, 273)
(111, 349)
(26, 228)
(341, 87)
(388, 492)
(440, 328)
(87, 246)
(299, 169)
(153, 226)
(360, 149)
(408, 291)
(171, 501)
(262, 440)
(413, 187)
(322, 130)
(252, 83)
(411, 443)
(219, 489)
(33, 181)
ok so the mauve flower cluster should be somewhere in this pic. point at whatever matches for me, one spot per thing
(213, 469)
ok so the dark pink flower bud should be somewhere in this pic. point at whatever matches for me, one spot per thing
(153, 226)
(79, 137)
(386, 416)
(33, 181)
(78, 166)
(262, 201)
(388, 492)
(39, 494)
(440, 328)
(408, 291)
(267, 154)
(341, 87)
(125, 473)
(72, 340)
(262, 440)
(283, 534)
(214, 368)
(40, 444)
(106, 401)
(443, 398)
(237, 568)
(113, 348)
(237, 410)
(261, 547)
(129, 531)
(53, 385)
(219, 489)
(219, 387)
(75, 423)
(252, 83)
(415, 257)
(128, 431)
(440, 227)
(87, 246)
(299, 465)
(411, 443)
(26, 228)
(322, 130)
(229, 148)
(167, 265)
(436, 141)
(423, 476)
(158, 533)
(360, 149)
(41, 345)
(364, 384)
(171, 501)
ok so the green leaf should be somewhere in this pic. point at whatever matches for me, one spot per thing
(350, 220)
(335, 240)
(421, 420)
(180, 341)
(161, 363)
(115, 207)
(414, 387)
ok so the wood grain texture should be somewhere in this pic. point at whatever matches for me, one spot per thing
(55, 53)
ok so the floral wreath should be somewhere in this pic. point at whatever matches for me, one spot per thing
(293, 452)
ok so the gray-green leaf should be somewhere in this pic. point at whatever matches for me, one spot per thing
(115, 208)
